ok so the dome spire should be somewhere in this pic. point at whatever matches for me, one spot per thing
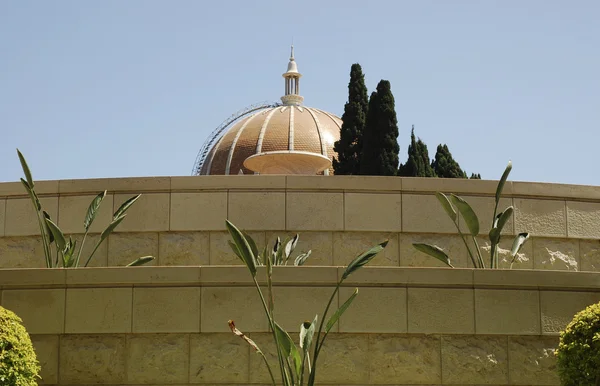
(292, 83)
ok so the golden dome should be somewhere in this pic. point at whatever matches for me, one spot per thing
(280, 139)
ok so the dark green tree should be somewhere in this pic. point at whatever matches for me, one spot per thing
(445, 166)
(418, 163)
(475, 176)
(349, 147)
(380, 138)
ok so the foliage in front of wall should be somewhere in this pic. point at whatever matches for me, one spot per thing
(18, 363)
(456, 207)
(294, 362)
(67, 254)
(578, 352)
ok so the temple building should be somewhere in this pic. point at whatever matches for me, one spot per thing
(280, 138)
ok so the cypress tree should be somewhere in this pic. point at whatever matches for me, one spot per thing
(349, 146)
(475, 176)
(380, 138)
(445, 166)
(418, 163)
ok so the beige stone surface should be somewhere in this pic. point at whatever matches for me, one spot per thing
(220, 251)
(128, 184)
(424, 213)
(507, 312)
(294, 305)
(158, 358)
(218, 358)
(257, 210)
(484, 209)
(344, 358)
(42, 310)
(258, 369)
(540, 217)
(479, 360)
(21, 218)
(149, 213)
(174, 309)
(583, 219)
(98, 310)
(183, 248)
(2, 216)
(198, 211)
(532, 360)
(589, 255)
(123, 248)
(348, 245)
(556, 254)
(319, 243)
(524, 259)
(559, 307)
(315, 211)
(92, 359)
(373, 212)
(240, 304)
(364, 315)
(46, 351)
(22, 252)
(196, 183)
(441, 311)
(100, 258)
(408, 359)
(451, 244)
(73, 210)
(344, 182)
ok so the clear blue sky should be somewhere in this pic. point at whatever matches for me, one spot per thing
(133, 88)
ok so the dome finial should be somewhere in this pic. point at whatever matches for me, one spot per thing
(292, 53)
(292, 82)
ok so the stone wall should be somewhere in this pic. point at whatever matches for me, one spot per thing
(168, 325)
(181, 220)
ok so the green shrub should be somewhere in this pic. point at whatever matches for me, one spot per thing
(18, 363)
(579, 349)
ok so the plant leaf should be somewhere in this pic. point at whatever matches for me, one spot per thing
(68, 259)
(125, 206)
(243, 247)
(443, 199)
(140, 261)
(301, 259)
(501, 220)
(111, 227)
(502, 181)
(243, 336)
(307, 331)
(252, 243)
(467, 213)
(518, 243)
(336, 316)
(93, 210)
(290, 246)
(235, 250)
(289, 348)
(363, 259)
(434, 251)
(50, 235)
(32, 194)
(26, 169)
(59, 236)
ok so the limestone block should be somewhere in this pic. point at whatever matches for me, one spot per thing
(42, 310)
(407, 359)
(423, 213)
(484, 209)
(2, 216)
(583, 219)
(344, 358)
(364, 315)
(127, 184)
(21, 218)
(257, 210)
(451, 244)
(22, 252)
(556, 254)
(314, 211)
(158, 358)
(183, 248)
(98, 310)
(89, 359)
(348, 245)
(441, 310)
(241, 304)
(479, 360)
(46, 351)
(532, 360)
(373, 212)
(297, 304)
(540, 217)
(175, 309)
(198, 211)
(220, 251)
(319, 243)
(524, 259)
(149, 213)
(123, 248)
(559, 307)
(589, 254)
(73, 210)
(507, 312)
(219, 358)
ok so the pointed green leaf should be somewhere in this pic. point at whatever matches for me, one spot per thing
(33, 195)
(502, 181)
(68, 255)
(59, 236)
(307, 331)
(518, 243)
(140, 261)
(443, 199)
(340, 311)
(363, 259)
(93, 210)
(235, 250)
(111, 227)
(289, 348)
(125, 206)
(499, 222)
(252, 243)
(50, 235)
(26, 169)
(433, 251)
(467, 214)
(301, 259)
(243, 247)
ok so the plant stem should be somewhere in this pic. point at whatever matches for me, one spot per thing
(94, 251)
(268, 368)
(478, 252)
(81, 248)
(462, 236)
(46, 245)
